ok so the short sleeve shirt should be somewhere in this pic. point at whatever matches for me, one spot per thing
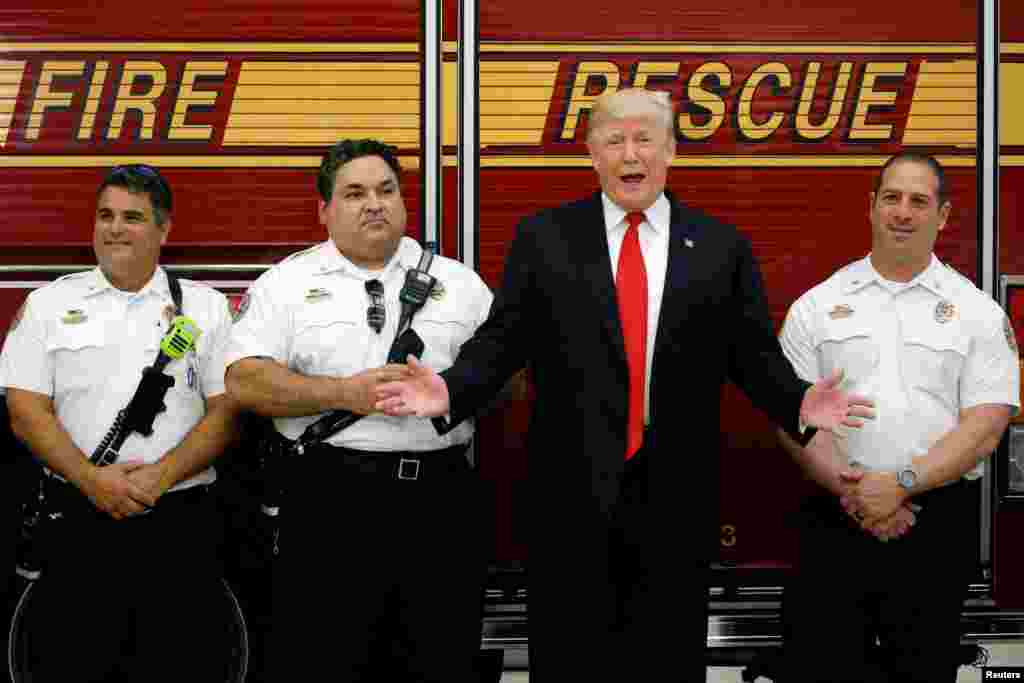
(309, 313)
(84, 343)
(923, 351)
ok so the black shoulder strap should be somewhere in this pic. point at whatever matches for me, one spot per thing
(175, 287)
(417, 287)
(150, 392)
(415, 290)
(426, 258)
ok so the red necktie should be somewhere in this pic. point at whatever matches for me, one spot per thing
(631, 283)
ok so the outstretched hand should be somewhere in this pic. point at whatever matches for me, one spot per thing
(825, 406)
(423, 394)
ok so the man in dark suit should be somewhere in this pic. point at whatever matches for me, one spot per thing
(632, 311)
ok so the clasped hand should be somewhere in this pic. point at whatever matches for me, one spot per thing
(877, 502)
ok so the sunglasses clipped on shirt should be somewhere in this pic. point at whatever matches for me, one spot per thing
(375, 313)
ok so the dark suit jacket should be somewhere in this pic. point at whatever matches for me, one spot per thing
(556, 312)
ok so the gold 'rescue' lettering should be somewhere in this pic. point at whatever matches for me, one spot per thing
(749, 128)
(810, 131)
(706, 99)
(869, 97)
(579, 100)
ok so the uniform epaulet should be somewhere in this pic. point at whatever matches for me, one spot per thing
(73, 276)
(960, 276)
(297, 254)
(848, 266)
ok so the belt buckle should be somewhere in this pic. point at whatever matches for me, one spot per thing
(408, 469)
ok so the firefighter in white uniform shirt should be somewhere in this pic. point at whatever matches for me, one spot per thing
(131, 560)
(381, 531)
(890, 547)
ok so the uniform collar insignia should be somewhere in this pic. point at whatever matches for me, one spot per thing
(317, 294)
(74, 316)
(438, 291)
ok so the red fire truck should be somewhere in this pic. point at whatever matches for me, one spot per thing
(786, 109)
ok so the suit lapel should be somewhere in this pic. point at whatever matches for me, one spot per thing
(596, 270)
(675, 297)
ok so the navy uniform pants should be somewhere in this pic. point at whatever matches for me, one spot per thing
(138, 599)
(378, 578)
(866, 611)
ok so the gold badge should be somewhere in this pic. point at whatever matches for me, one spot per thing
(317, 294)
(169, 313)
(74, 316)
(438, 292)
(840, 311)
(944, 311)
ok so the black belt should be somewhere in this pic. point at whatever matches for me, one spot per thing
(66, 498)
(942, 494)
(401, 465)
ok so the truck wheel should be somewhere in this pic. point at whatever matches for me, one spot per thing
(236, 637)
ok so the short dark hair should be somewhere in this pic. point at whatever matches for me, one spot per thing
(142, 179)
(917, 158)
(345, 151)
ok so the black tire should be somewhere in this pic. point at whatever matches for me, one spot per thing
(236, 637)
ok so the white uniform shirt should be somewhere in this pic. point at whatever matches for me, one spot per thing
(923, 351)
(84, 343)
(309, 314)
(653, 235)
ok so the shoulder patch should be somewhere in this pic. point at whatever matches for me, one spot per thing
(1011, 338)
(17, 316)
(73, 276)
(960, 277)
(237, 306)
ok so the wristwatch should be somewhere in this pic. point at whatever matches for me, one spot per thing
(907, 478)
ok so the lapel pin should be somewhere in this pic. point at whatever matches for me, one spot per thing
(688, 242)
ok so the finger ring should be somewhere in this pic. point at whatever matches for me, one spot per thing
(859, 516)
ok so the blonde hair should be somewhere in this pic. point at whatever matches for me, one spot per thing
(627, 102)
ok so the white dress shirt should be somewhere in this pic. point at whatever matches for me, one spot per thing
(309, 314)
(923, 351)
(84, 343)
(654, 238)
